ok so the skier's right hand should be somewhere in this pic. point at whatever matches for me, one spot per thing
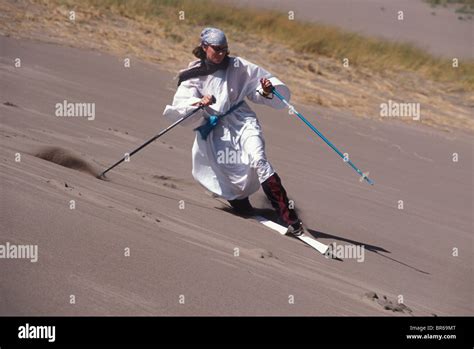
(205, 101)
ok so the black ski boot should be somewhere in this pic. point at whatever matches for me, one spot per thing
(242, 206)
(277, 195)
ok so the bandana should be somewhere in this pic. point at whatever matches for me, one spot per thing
(213, 36)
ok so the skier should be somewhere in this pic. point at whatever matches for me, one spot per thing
(228, 153)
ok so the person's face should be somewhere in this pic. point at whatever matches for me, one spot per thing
(215, 53)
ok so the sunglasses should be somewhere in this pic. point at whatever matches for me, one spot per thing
(219, 49)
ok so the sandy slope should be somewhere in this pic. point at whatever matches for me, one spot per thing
(190, 252)
(439, 29)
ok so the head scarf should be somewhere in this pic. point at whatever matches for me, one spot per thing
(209, 36)
(213, 36)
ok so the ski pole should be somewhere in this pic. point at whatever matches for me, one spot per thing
(128, 155)
(292, 109)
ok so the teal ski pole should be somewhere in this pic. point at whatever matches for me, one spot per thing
(363, 176)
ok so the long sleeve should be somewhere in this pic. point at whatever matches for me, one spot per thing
(255, 73)
(186, 95)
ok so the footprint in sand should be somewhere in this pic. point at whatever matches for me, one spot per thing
(387, 304)
(166, 178)
(10, 104)
(63, 186)
(116, 131)
(170, 185)
(148, 216)
(261, 253)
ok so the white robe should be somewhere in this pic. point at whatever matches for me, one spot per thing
(219, 163)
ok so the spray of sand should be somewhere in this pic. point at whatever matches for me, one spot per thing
(67, 159)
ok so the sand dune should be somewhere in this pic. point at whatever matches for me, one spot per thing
(128, 248)
(439, 29)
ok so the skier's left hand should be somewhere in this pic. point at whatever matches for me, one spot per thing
(266, 85)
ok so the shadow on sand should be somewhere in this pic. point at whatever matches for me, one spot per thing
(371, 248)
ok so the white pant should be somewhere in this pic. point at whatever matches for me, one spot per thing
(254, 146)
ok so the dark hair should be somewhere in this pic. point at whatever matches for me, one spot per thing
(199, 52)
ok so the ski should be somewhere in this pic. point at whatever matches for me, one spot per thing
(309, 240)
(318, 246)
